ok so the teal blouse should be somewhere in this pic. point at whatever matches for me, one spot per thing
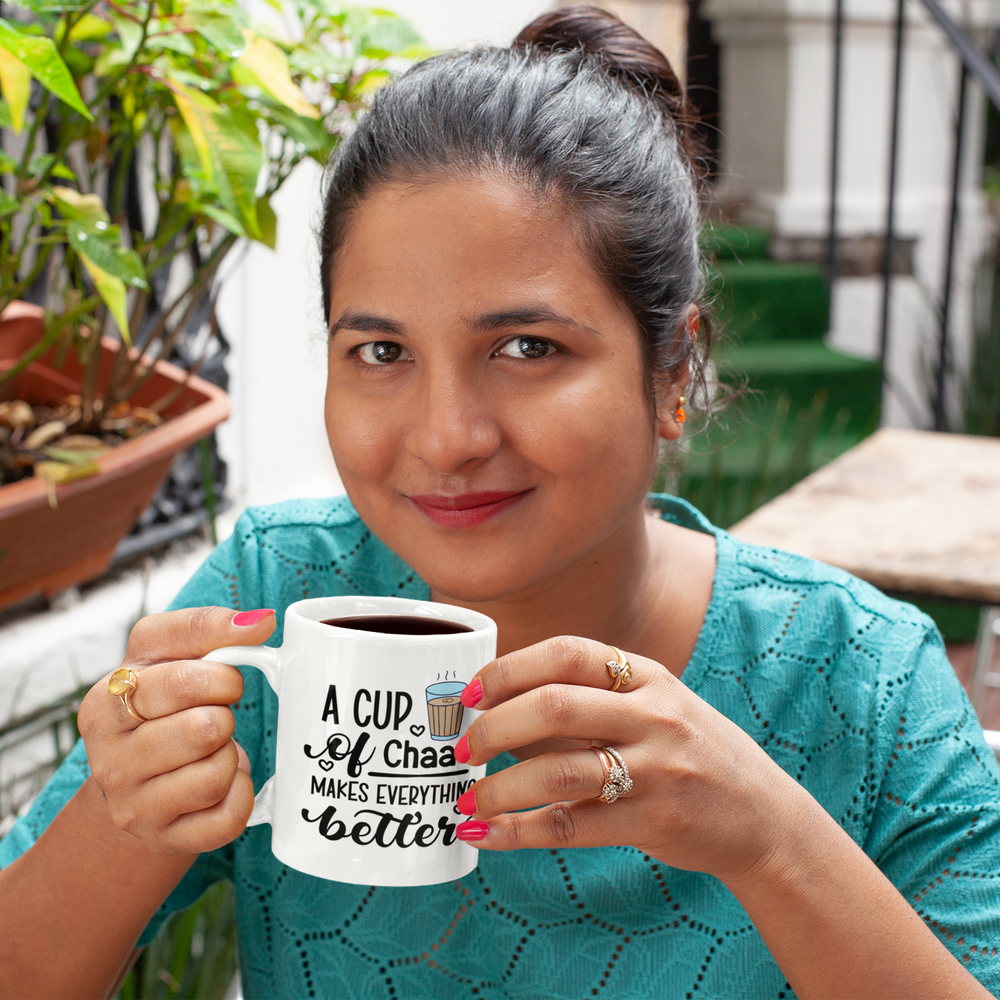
(848, 691)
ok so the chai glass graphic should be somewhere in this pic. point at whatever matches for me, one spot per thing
(444, 709)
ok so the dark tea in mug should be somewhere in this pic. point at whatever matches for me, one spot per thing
(399, 624)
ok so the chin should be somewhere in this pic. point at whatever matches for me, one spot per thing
(463, 590)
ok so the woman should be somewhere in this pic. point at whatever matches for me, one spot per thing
(510, 276)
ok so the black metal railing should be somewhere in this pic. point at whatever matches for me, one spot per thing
(972, 64)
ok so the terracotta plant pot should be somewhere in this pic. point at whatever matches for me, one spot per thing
(43, 550)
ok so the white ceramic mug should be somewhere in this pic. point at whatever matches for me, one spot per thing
(365, 779)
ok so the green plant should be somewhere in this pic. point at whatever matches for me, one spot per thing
(193, 957)
(152, 139)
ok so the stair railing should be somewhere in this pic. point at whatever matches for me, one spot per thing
(973, 63)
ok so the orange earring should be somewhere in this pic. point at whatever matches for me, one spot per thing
(679, 415)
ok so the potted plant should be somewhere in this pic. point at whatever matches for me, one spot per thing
(143, 140)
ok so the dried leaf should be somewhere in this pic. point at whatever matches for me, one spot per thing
(16, 413)
(147, 416)
(43, 435)
(53, 473)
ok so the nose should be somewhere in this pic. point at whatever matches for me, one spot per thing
(453, 429)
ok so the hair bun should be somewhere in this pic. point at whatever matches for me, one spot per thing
(626, 55)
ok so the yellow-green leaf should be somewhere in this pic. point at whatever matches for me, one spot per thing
(53, 473)
(87, 29)
(112, 290)
(194, 108)
(267, 222)
(40, 55)
(15, 82)
(81, 207)
(229, 151)
(268, 63)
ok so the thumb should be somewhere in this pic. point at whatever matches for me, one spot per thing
(242, 760)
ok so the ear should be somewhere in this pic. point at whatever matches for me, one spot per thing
(668, 395)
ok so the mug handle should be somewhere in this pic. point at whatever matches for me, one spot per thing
(267, 660)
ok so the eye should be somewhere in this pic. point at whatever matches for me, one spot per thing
(528, 348)
(381, 352)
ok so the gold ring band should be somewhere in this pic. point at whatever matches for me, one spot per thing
(123, 683)
(606, 762)
(619, 669)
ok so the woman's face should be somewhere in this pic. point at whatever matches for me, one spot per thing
(486, 404)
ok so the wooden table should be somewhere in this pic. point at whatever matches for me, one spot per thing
(910, 511)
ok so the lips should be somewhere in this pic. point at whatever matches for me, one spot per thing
(469, 509)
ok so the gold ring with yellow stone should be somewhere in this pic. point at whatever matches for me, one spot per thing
(123, 683)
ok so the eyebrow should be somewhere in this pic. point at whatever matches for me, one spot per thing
(366, 323)
(482, 323)
(490, 322)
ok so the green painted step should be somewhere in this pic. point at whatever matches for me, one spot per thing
(800, 370)
(728, 482)
(761, 300)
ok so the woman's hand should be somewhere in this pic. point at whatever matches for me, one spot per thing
(178, 782)
(705, 797)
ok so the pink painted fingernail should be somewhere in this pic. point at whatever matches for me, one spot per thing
(472, 829)
(462, 751)
(467, 803)
(247, 618)
(473, 694)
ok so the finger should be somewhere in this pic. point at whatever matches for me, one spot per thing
(165, 689)
(551, 777)
(189, 789)
(193, 632)
(566, 659)
(208, 829)
(162, 692)
(586, 823)
(243, 762)
(556, 711)
(181, 739)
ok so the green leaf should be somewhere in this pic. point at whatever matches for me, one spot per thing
(387, 35)
(61, 170)
(41, 57)
(222, 32)
(268, 63)
(316, 60)
(5, 119)
(7, 163)
(111, 57)
(91, 240)
(112, 290)
(129, 34)
(225, 219)
(79, 207)
(40, 164)
(8, 205)
(306, 132)
(15, 82)
(267, 222)
(175, 42)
